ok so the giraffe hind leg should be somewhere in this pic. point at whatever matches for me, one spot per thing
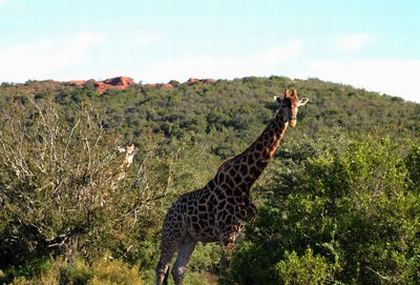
(184, 253)
(171, 240)
(162, 268)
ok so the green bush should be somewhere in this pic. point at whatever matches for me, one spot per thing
(114, 272)
(351, 206)
(412, 163)
(61, 186)
(303, 270)
(78, 272)
(252, 263)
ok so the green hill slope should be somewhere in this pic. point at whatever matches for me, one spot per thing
(230, 114)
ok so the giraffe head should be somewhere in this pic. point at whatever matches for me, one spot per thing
(129, 150)
(289, 105)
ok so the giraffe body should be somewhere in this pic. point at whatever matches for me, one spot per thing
(218, 211)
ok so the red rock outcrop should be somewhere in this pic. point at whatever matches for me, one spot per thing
(121, 83)
(116, 83)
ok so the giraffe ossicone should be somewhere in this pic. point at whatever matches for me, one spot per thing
(218, 211)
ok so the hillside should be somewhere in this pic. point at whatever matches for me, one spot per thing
(231, 113)
(339, 203)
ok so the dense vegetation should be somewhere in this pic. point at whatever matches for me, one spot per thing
(340, 204)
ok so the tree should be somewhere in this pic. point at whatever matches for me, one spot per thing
(348, 210)
(61, 186)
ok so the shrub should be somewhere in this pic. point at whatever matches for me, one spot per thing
(78, 272)
(114, 272)
(303, 270)
(351, 206)
(64, 189)
(412, 162)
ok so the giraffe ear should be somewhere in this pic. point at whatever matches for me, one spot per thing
(303, 101)
(277, 99)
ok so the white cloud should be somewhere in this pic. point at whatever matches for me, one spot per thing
(46, 58)
(391, 76)
(258, 64)
(352, 43)
(143, 38)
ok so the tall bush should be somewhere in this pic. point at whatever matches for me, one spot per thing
(61, 185)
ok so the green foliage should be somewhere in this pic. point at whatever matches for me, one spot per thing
(61, 186)
(251, 264)
(232, 113)
(339, 204)
(34, 268)
(351, 207)
(78, 272)
(412, 163)
(306, 269)
(75, 273)
(114, 272)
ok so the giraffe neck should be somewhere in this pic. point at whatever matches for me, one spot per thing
(246, 167)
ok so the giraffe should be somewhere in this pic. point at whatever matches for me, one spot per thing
(115, 177)
(218, 211)
(130, 150)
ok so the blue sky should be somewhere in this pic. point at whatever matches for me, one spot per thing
(370, 44)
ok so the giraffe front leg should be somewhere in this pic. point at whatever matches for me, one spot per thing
(184, 253)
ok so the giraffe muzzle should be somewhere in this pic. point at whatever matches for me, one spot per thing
(292, 121)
